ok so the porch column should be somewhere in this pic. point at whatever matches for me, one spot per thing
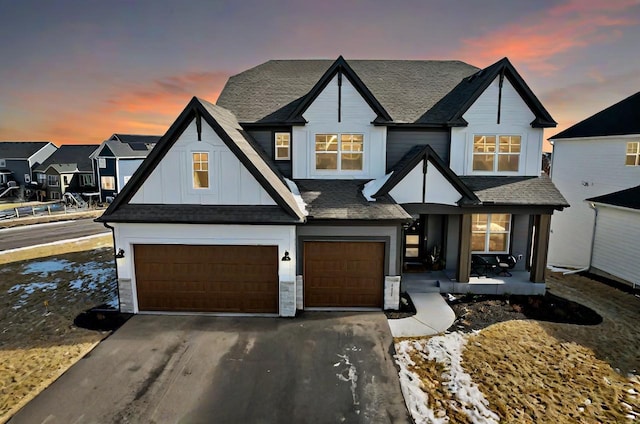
(542, 225)
(464, 249)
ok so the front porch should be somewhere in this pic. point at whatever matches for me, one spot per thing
(518, 283)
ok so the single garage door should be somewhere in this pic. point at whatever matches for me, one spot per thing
(207, 278)
(343, 274)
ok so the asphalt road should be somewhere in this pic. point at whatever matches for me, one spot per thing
(317, 368)
(31, 235)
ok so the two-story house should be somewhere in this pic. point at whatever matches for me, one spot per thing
(117, 158)
(312, 183)
(18, 159)
(596, 164)
(68, 169)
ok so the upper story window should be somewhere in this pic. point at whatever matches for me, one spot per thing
(200, 170)
(52, 180)
(86, 180)
(490, 233)
(496, 153)
(340, 152)
(633, 153)
(283, 146)
(102, 163)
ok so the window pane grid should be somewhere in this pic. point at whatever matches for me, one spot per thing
(200, 170)
(283, 143)
(490, 233)
(503, 156)
(633, 153)
(347, 154)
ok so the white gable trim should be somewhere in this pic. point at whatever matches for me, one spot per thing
(433, 187)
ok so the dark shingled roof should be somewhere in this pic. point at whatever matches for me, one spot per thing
(343, 199)
(619, 119)
(270, 92)
(136, 138)
(20, 149)
(201, 214)
(128, 145)
(527, 191)
(76, 154)
(629, 198)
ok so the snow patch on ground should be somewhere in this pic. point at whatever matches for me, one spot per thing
(296, 195)
(46, 267)
(446, 350)
(373, 186)
(349, 375)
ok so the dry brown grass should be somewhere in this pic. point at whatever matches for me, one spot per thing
(542, 372)
(529, 376)
(38, 343)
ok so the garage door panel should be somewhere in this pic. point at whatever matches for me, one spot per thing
(343, 274)
(207, 278)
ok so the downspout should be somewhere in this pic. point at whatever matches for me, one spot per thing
(593, 241)
(113, 235)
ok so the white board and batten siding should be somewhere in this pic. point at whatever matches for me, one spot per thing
(437, 189)
(230, 183)
(128, 235)
(322, 118)
(616, 245)
(515, 119)
(582, 169)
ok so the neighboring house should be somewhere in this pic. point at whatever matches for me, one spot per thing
(117, 159)
(68, 169)
(616, 236)
(311, 183)
(592, 159)
(21, 157)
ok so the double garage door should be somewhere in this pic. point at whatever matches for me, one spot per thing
(244, 279)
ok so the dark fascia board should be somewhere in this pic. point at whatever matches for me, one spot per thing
(427, 153)
(194, 108)
(340, 65)
(543, 118)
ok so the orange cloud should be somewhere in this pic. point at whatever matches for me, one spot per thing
(538, 40)
(147, 109)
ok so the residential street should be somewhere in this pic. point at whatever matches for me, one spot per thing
(31, 235)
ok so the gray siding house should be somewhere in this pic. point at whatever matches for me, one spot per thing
(18, 159)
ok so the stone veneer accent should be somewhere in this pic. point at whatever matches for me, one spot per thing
(287, 298)
(299, 292)
(126, 295)
(392, 292)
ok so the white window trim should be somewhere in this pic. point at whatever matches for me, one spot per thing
(487, 237)
(497, 154)
(56, 181)
(275, 146)
(637, 154)
(339, 169)
(102, 163)
(193, 162)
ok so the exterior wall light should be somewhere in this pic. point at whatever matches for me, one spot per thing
(286, 257)
(120, 254)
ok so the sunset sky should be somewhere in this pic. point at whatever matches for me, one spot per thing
(78, 71)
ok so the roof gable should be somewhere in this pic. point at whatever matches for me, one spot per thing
(422, 156)
(20, 149)
(224, 124)
(404, 88)
(451, 108)
(629, 198)
(78, 155)
(619, 119)
(340, 67)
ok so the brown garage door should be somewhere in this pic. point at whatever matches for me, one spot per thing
(343, 274)
(207, 278)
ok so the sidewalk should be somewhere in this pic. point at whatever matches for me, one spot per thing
(433, 316)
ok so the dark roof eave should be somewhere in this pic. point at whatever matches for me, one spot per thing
(186, 221)
(541, 123)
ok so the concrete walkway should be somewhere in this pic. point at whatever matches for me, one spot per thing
(433, 316)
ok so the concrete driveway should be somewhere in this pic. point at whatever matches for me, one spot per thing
(318, 368)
